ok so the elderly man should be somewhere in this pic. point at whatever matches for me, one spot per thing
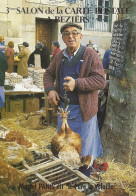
(79, 74)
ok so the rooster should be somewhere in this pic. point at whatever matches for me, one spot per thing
(72, 138)
(67, 144)
(58, 140)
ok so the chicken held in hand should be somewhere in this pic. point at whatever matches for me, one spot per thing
(67, 144)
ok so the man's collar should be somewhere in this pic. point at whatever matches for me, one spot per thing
(65, 53)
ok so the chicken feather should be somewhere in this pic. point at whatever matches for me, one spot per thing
(67, 144)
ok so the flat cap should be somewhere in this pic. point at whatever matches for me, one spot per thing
(70, 25)
(38, 46)
(25, 44)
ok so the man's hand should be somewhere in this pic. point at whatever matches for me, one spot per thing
(70, 85)
(53, 97)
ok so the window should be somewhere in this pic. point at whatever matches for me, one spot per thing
(71, 1)
(99, 16)
(99, 2)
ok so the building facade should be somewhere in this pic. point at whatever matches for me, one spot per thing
(40, 20)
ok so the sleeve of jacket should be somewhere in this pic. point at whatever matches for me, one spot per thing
(93, 77)
(49, 77)
(31, 59)
(45, 57)
(106, 60)
(21, 54)
(7, 53)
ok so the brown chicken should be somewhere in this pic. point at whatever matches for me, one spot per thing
(58, 141)
(67, 144)
(86, 161)
(16, 136)
(65, 136)
(72, 138)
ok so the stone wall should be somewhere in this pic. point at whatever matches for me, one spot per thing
(19, 27)
(10, 25)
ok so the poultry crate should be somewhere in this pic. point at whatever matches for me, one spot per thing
(50, 170)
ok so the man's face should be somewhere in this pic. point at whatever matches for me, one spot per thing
(71, 37)
(2, 40)
(53, 47)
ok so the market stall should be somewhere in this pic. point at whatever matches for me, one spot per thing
(24, 95)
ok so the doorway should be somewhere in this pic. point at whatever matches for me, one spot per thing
(46, 30)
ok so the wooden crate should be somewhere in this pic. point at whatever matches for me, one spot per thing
(52, 171)
(16, 105)
(7, 104)
(48, 108)
(31, 105)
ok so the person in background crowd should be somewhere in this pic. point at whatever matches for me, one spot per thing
(94, 46)
(78, 72)
(90, 44)
(45, 56)
(9, 53)
(106, 62)
(3, 68)
(38, 50)
(55, 48)
(2, 44)
(23, 56)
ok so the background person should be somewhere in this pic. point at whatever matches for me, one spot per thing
(45, 56)
(3, 68)
(94, 46)
(78, 72)
(106, 62)
(90, 44)
(38, 50)
(9, 53)
(23, 56)
(55, 48)
(2, 44)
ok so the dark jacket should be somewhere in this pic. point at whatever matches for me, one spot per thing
(106, 62)
(106, 59)
(91, 79)
(31, 57)
(45, 57)
(3, 68)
